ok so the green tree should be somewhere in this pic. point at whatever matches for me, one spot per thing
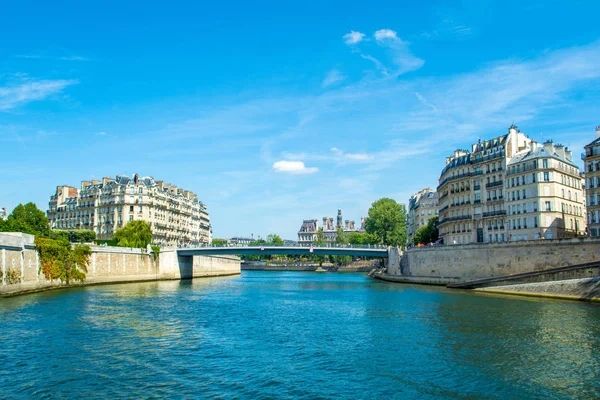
(27, 219)
(318, 242)
(219, 242)
(428, 233)
(341, 237)
(274, 240)
(319, 238)
(135, 234)
(387, 222)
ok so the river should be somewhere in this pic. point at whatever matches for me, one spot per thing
(295, 335)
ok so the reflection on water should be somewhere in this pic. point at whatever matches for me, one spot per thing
(295, 335)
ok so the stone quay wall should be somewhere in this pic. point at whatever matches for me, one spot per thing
(19, 261)
(451, 264)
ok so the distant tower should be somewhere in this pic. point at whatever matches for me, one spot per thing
(339, 219)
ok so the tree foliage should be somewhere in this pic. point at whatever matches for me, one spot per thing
(319, 238)
(341, 237)
(387, 222)
(274, 240)
(362, 238)
(219, 242)
(428, 233)
(27, 219)
(136, 234)
(60, 261)
(73, 236)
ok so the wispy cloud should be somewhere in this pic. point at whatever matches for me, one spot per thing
(46, 57)
(424, 101)
(351, 156)
(12, 96)
(397, 58)
(461, 30)
(293, 167)
(101, 133)
(353, 37)
(334, 76)
(378, 64)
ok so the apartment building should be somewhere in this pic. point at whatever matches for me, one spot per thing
(422, 206)
(176, 216)
(591, 159)
(474, 184)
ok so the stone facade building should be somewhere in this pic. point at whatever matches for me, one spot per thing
(591, 159)
(308, 230)
(422, 206)
(176, 216)
(475, 185)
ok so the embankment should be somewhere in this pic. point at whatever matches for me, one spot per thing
(20, 266)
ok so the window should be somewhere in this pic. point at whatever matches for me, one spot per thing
(141, 191)
(545, 163)
(548, 206)
(546, 176)
(130, 209)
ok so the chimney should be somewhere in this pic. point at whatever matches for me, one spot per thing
(598, 132)
(106, 179)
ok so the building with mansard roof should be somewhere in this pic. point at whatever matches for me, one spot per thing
(422, 206)
(474, 185)
(308, 231)
(176, 216)
(591, 159)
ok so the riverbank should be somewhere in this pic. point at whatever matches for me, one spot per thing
(585, 289)
(21, 272)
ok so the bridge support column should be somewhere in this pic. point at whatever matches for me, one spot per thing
(392, 263)
(173, 266)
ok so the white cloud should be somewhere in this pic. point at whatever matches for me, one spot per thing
(334, 76)
(341, 155)
(383, 34)
(353, 37)
(15, 95)
(293, 167)
(101, 133)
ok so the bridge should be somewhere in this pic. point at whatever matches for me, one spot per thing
(178, 263)
(354, 251)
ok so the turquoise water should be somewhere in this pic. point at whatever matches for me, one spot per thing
(295, 335)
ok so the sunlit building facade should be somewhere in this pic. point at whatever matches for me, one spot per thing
(176, 216)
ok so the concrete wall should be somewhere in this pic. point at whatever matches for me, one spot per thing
(480, 261)
(108, 265)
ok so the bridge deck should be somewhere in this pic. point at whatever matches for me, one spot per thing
(284, 250)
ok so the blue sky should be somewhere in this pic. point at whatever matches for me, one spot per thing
(274, 112)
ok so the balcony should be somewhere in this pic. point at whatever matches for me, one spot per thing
(477, 201)
(494, 213)
(494, 184)
(458, 218)
(480, 159)
(476, 187)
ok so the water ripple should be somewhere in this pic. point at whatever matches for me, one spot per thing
(269, 335)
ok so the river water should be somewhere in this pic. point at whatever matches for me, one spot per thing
(295, 335)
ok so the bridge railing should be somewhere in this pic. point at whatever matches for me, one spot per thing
(327, 245)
